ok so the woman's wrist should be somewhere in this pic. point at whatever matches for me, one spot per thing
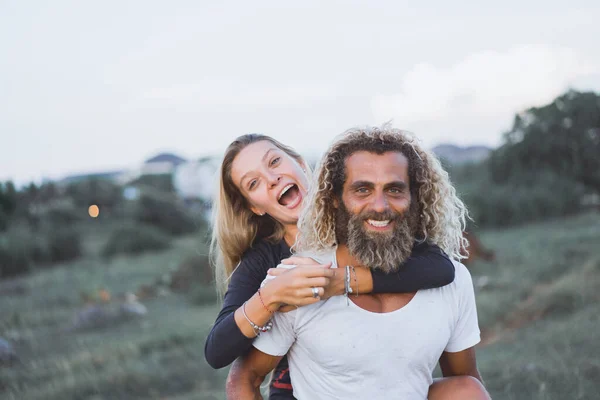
(267, 295)
(252, 312)
(338, 281)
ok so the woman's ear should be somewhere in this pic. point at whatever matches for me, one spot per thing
(257, 211)
(303, 165)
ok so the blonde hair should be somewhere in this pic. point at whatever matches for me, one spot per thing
(441, 214)
(235, 226)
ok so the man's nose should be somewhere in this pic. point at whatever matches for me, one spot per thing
(380, 203)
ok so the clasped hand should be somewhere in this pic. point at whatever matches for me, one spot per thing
(293, 287)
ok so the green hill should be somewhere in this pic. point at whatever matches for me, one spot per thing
(538, 307)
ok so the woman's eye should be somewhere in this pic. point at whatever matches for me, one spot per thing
(252, 184)
(275, 161)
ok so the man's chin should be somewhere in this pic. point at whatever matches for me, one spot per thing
(378, 232)
(382, 250)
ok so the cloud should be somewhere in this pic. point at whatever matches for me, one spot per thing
(486, 86)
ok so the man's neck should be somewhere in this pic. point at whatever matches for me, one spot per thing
(343, 257)
(377, 303)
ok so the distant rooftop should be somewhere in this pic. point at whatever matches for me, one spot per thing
(166, 158)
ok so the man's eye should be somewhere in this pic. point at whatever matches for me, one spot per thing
(362, 190)
(275, 161)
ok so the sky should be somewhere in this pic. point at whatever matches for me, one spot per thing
(96, 86)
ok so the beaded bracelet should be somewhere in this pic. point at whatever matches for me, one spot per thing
(263, 303)
(355, 279)
(257, 329)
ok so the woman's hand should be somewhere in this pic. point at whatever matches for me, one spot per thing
(332, 286)
(294, 287)
(336, 282)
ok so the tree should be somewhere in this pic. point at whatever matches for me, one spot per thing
(8, 203)
(562, 137)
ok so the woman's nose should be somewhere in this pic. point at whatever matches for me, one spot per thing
(274, 180)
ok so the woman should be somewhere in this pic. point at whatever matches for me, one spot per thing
(261, 189)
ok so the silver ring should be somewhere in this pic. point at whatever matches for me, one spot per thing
(315, 292)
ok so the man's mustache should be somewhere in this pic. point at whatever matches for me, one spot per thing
(381, 216)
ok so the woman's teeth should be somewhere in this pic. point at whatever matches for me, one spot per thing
(285, 189)
(378, 224)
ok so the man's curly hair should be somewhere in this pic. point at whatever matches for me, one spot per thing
(441, 214)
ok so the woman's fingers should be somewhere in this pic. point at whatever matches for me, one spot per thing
(305, 301)
(277, 271)
(312, 272)
(310, 292)
(295, 260)
(308, 301)
(307, 272)
(302, 261)
(287, 308)
(319, 281)
(303, 296)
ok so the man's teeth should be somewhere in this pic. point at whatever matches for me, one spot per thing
(285, 189)
(378, 224)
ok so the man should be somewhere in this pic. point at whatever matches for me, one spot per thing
(377, 193)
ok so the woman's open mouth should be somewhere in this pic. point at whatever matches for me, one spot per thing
(290, 196)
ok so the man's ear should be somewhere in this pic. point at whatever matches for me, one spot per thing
(336, 203)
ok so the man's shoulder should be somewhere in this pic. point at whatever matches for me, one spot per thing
(461, 271)
(320, 256)
(462, 277)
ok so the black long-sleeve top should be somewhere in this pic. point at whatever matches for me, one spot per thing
(427, 267)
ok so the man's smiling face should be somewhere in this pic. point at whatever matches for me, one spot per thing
(373, 218)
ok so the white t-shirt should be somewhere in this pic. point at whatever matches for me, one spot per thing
(341, 351)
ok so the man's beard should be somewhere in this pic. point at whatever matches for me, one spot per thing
(385, 251)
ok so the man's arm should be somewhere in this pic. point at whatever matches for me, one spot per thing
(460, 363)
(248, 373)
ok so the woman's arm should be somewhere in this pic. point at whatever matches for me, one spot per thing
(226, 340)
(427, 267)
(231, 336)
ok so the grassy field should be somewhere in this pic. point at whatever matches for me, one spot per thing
(538, 308)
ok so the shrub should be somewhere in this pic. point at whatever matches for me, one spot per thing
(135, 239)
(15, 257)
(166, 213)
(3, 220)
(21, 250)
(534, 196)
(194, 276)
(63, 215)
(63, 245)
(504, 205)
(203, 294)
